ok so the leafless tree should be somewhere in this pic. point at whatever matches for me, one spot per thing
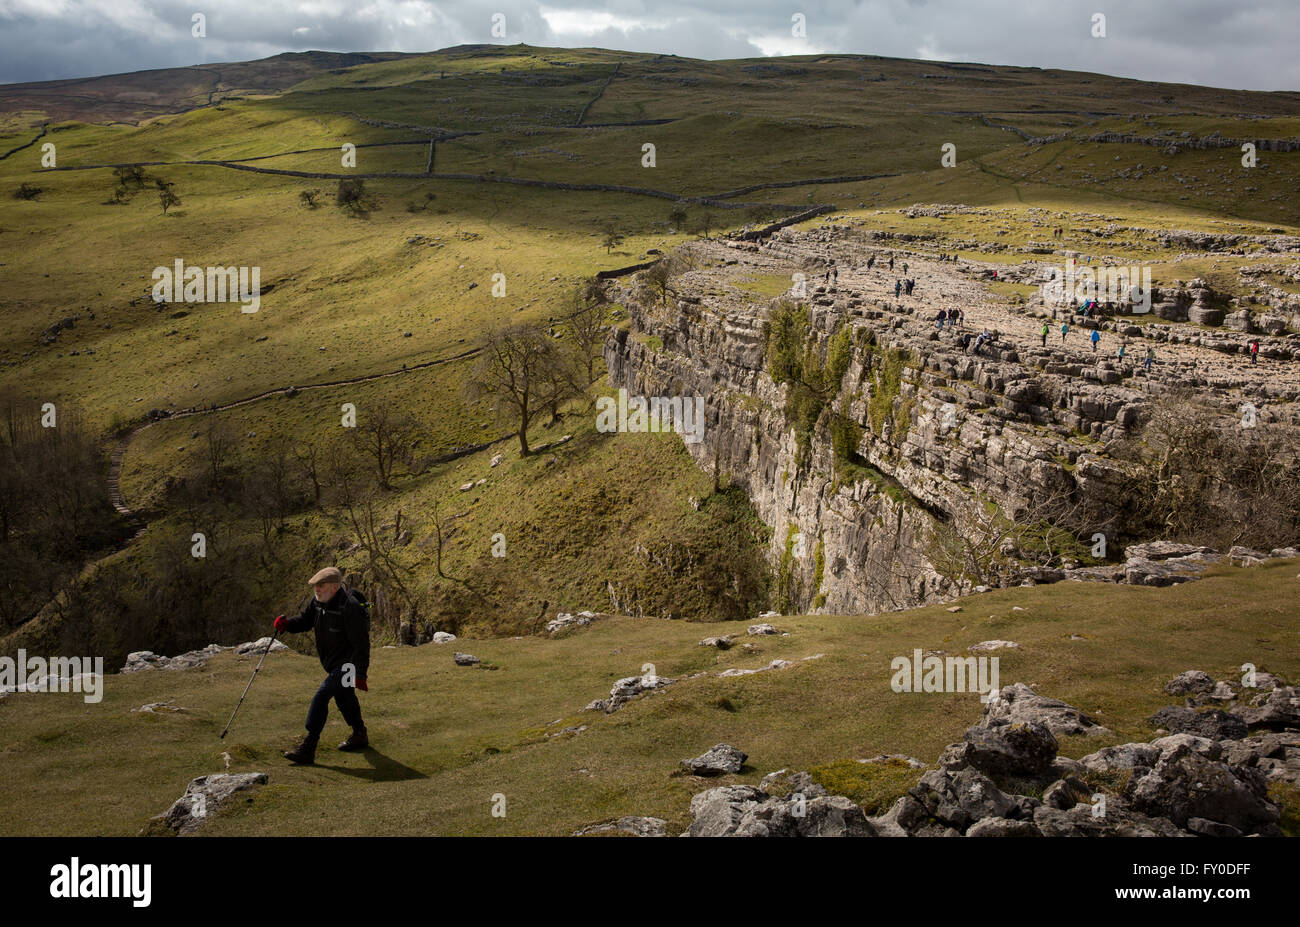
(516, 370)
(586, 325)
(384, 435)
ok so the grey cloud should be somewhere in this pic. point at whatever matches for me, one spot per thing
(1242, 45)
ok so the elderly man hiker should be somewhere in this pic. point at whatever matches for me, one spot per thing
(342, 627)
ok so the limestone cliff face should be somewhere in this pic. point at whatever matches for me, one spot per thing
(946, 444)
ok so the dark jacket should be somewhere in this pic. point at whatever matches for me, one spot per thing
(342, 628)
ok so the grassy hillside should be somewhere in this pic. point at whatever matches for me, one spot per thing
(448, 738)
(410, 281)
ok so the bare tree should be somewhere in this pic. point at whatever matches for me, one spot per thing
(659, 277)
(219, 443)
(585, 327)
(516, 370)
(384, 434)
(611, 237)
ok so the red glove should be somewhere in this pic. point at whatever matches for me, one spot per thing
(361, 684)
(280, 623)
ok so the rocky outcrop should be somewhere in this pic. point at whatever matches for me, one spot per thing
(147, 659)
(202, 797)
(941, 436)
(718, 761)
(1005, 779)
(630, 825)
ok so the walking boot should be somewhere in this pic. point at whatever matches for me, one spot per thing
(305, 752)
(357, 740)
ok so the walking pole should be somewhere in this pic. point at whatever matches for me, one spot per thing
(250, 684)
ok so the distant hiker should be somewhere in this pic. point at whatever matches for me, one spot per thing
(961, 317)
(891, 263)
(1065, 329)
(871, 262)
(965, 342)
(941, 317)
(910, 284)
(1044, 333)
(1254, 350)
(904, 267)
(1123, 349)
(898, 288)
(342, 628)
(1151, 355)
(1096, 336)
(835, 275)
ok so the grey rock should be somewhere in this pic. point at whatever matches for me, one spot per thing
(465, 659)
(717, 812)
(1019, 703)
(1185, 785)
(718, 761)
(1003, 827)
(1203, 746)
(896, 758)
(1122, 757)
(260, 646)
(203, 796)
(1010, 748)
(1064, 794)
(1280, 711)
(1213, 723)
(630, 825)
(958, 798)
(1211, 828)
(1189, 682)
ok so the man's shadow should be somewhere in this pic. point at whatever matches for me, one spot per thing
(384, 768)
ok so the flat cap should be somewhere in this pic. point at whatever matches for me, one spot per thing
(327, 575)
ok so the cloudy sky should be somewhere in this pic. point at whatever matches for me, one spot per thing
(1247, 44)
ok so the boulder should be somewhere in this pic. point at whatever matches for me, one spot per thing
(957, 798)
(1163, 550)
(259, 646)
(1275, 754)
(1184, 785)
(716, 812)
(1188, 682)
(720, 760)
(203, 796)
(743, 811)
(1065, 793)
(1005, 748)
(465, 659)
(1020, 703)
(1003, 827)
(1212, 723)
(1166, 572)
(1122, 757)
(631, 825)
(1279, 711)
(986, 646)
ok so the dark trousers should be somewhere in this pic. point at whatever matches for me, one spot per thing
(344, 696)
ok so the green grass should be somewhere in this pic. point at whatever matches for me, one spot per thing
(448, 738)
